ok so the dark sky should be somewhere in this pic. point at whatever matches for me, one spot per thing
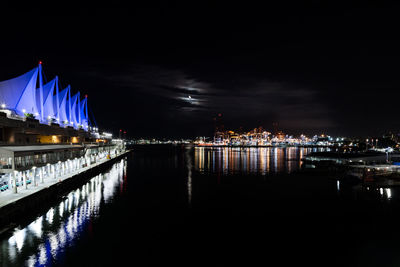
(312, 68)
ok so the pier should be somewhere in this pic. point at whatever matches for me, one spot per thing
(31, 197)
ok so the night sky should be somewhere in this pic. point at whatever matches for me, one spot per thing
(309, 67)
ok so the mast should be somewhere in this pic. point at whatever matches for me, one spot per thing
(57, 102)
(86, 112)
(79, 109)
(41, 91)
(69, 105)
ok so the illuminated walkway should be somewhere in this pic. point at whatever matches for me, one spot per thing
(9, 196)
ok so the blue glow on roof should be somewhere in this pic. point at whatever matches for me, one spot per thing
(23, 95)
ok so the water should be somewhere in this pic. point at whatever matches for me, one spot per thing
(250, 160)
(211, 207)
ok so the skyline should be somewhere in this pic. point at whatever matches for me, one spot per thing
(167, 71)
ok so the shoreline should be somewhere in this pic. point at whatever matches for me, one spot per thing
(28, 205)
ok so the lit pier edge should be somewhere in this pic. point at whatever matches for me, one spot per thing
(29, 201)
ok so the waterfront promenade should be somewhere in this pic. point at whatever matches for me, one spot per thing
(9, 197)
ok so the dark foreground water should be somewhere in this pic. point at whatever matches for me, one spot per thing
(180, 206)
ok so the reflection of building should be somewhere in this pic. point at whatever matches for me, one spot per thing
(260, 160)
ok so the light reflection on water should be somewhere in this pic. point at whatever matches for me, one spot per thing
(250, 160)
(272, 160)
(43, 241)
(48, 238)
(385, 194)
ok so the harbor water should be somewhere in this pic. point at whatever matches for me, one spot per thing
(202, 206)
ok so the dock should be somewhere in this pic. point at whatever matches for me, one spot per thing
(15, 205)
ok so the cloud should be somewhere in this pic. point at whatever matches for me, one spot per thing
(243, 100)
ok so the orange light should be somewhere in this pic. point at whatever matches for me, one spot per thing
(54, 139)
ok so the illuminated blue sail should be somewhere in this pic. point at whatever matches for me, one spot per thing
(19, 94)
(74, 109)
(62, 113)
(27, 94)
(56, 103)
(83, 112)
(48, 97)
(40, 107)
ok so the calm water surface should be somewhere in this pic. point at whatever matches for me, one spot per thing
(262, 160)
(211, 207)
